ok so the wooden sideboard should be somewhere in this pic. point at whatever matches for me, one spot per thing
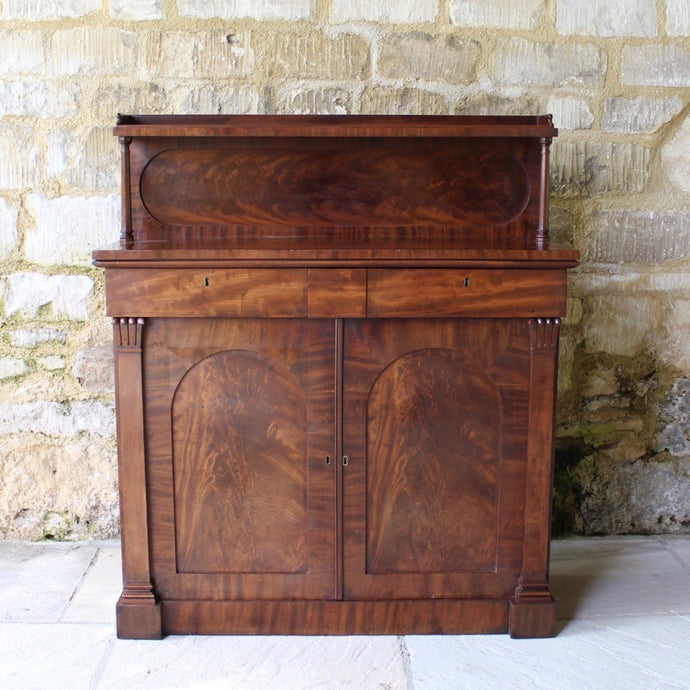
(336, 348)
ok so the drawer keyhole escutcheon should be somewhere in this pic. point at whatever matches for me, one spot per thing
(346, 461)
(207, 282)
(467, 282)
(327, 460)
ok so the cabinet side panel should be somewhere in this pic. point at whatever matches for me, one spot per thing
(239, 458)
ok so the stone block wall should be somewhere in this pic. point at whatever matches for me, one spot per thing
(616, 76)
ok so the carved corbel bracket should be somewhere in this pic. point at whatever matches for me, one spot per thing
(128, 332)
(543, 333)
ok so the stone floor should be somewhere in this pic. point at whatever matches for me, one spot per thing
(624, 606)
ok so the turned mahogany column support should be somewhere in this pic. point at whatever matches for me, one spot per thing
(533, 611)
(138, 613)
(543, 226)
(126, 234)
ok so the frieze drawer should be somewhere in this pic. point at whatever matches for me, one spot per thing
(278, 292)
(474, 292)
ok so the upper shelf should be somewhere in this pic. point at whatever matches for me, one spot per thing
(334, 126)
(217, 175)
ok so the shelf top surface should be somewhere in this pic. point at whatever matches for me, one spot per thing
(334, 126)
(344, 251)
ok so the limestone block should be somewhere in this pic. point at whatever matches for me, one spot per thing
(402, 102)
(69, 228)
(11, 367)
(655, 65)
(127, 98)
(587, 168)
(619, 324)
(93, 368)
(667, 282)
(566, 359)
(38, 98)
(61, 149)
(570, 113)
(64, 296)
(137, 9)
(214, 98)
(588, 283)
(517, 61)
(315, 55)
(420, 55)
(675, 347)
(73, 478)
(324, 101)
(398, 12)
(640, 115)
(231, 9)
(52, 362)
(498, 13)
(564, 222)
(91, 50)
(8, 229)
(40, 10)
(21, 52)
(641, 237)
(32, 338)
(601, 382)
(606, 18)
(58, 419)
(207, 54)
(20, 157)
(675, 157)
(677, 18)
(649, 497)
(574, 311)
(89, 160)
(497, 104)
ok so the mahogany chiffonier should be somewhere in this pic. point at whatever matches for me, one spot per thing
(336, 347)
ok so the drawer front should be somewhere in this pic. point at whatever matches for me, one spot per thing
(473, 292)
(186, 292)
(337, 292)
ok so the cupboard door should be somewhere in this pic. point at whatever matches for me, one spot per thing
(239, 422)
(435, 420)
